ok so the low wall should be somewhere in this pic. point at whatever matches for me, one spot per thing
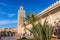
(8, 38)
(54, 38)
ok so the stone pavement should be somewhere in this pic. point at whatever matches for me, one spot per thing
(8, 38)
(58, 39)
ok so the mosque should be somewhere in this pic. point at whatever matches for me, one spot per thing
(52, 13)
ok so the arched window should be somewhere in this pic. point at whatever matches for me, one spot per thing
(57, 22)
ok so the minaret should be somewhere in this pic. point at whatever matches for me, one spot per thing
(21, 15)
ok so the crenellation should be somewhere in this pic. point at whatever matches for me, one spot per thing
(49, 8)
(59, 0)
(52, 5)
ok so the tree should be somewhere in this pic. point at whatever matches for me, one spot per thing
(0, 35)
(39, 31)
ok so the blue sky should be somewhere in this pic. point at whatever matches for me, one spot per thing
(9, 10)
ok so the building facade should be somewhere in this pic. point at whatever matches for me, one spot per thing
(52, 14)
(21, 16)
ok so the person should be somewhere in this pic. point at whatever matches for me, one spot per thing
(55, 31)
(58, 32)
(55, 28)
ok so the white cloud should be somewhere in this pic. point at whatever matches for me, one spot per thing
(0, 9)
(8, 14)
(2, 12)
(11, 15)
(1, 3)
(2, 22)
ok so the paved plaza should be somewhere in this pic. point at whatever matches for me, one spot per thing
(8, 38)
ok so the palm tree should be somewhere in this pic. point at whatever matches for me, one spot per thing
(39, 31)
(0, 35)
(3, 34)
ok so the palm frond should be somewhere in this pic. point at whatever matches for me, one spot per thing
(39, 31)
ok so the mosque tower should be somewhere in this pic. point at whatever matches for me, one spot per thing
(21, 15)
